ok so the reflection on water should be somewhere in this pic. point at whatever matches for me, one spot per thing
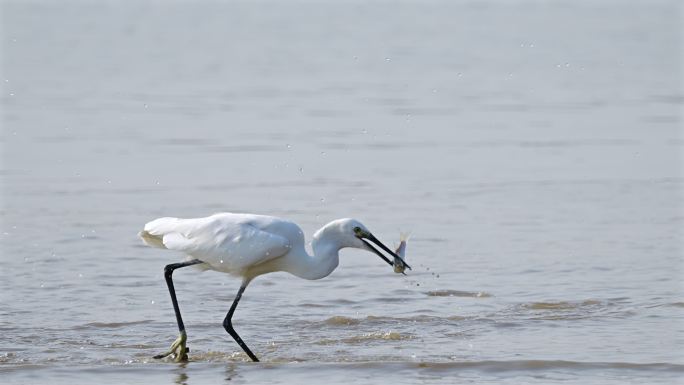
(231, 372)
(182, 377)
(533, 150)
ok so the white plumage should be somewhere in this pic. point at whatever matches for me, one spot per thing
(248, 245)
(226, 242)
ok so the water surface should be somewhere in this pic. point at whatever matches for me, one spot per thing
(533, 149)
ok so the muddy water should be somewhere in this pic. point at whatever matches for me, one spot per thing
(532, 149)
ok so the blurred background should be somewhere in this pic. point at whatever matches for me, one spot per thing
(533, 148)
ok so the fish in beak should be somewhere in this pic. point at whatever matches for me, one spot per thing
(400, 264)
(370, 240)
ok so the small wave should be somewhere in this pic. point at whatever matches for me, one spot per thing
(490, 366)
(561, 305)
(420, 318)
(339, 320)
(214, 356)
(512, 366)
(375, 321)
(458, 293)
(110, 325)
(129, 346)
(367, 337)
(8, 357)
(243, 148)
(549, 305)
(388, 336)
(210, 356)
(572, 310)
(677, 304)
(501, 366)
(313, 305)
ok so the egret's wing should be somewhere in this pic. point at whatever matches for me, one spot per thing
(227, 245)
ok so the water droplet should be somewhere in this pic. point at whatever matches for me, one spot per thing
(11, 94)
(152, 302)
(301, 169)
(288, 146)
(157, 183)
(221, 261)
(322, 200)
(388, 59)
(145, 105)
(567, 65)
(364, 131)
(322, 152)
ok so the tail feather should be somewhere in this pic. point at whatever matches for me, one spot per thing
(151, 240)
(154, 231)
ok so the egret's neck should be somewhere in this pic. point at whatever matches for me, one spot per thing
(325, 258)
(327, 242)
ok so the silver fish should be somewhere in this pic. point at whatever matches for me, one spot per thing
(399, 265)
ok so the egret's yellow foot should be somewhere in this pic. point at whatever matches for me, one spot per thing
(178, 349)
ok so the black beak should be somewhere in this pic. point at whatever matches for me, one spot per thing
(371, 237)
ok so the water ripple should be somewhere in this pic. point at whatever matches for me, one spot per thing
(111, 325)
(458, 293)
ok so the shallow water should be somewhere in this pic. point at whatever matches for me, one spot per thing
(533, 149)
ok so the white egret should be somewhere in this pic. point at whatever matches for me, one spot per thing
(249, 245)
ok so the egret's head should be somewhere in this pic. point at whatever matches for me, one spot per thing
(355, 234)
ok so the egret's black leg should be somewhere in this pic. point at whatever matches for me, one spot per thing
(228, 325)
(179, 344)
(168, 272)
